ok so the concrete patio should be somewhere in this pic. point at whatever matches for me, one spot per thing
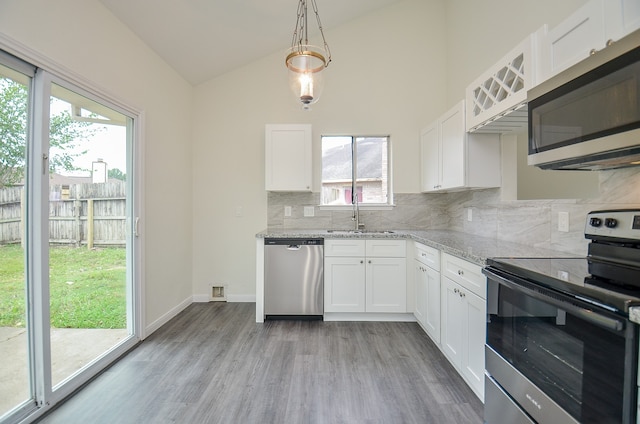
(71, 349)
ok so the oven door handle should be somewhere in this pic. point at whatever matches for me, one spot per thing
(540, 293)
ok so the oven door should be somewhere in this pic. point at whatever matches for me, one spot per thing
(560, 359)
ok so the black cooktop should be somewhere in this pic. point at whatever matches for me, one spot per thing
(571, 276)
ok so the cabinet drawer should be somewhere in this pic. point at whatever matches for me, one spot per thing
(427, 255)
(344, 247)
(465, 273)
(380, 248)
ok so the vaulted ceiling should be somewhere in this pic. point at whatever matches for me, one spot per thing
(202, 39)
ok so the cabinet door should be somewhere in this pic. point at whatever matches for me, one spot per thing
(432, 316)
(430, 158)
(474, 338)
(288, 159)
(622, 17)
(420, 278)
(452, 321)
(572, 40)
(386, 287)
(452, 141)
(630, 14)
(344, 284)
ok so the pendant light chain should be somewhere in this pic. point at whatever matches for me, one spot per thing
(326, 46)
(300, 33)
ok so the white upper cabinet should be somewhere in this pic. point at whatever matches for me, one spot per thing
(430, 157)
(452, 159)
(590, 28)
(288, 158)
(501, 91)
(621, 17)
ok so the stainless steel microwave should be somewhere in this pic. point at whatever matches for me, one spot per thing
(588, 116)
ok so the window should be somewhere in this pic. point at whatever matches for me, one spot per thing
(357, 165)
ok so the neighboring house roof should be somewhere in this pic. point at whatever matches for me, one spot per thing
(369, 159)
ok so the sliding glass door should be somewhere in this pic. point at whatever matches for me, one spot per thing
(15, 372)
(87, 230)
(68, 242)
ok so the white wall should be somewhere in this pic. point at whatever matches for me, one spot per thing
(386, 77)
(82, 36)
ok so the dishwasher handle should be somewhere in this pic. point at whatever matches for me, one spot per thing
(293, 242)
(293, 247)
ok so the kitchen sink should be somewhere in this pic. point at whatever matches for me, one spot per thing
(359, 232)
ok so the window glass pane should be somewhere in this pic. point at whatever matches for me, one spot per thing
(15, 385)
(371, 170)
(337, 171)
(87, 231)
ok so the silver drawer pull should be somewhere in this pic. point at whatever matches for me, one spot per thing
(460, 272)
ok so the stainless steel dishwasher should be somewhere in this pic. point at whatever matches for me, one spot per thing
(293, 278)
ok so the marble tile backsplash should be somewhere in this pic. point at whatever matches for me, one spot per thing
(412, 212)
(530, 222)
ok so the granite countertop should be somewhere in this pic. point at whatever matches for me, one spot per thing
(473, 248)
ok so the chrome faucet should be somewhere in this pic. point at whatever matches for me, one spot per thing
(356, 211)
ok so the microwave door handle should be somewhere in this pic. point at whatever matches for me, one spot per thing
(588, 315)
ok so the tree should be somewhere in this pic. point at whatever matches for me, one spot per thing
(64, 134)
(117, 174)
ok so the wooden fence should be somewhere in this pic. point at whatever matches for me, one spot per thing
(79, 214)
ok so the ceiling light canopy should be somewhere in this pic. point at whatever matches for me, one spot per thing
(305, 61)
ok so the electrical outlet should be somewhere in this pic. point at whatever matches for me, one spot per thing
(563, 222)
(287, 211)
(469, 214)
(309, 211)
(239, 211)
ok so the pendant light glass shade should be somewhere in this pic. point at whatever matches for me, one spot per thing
(305, 73)
(306, 62)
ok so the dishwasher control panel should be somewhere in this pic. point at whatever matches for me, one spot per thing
(293, 241)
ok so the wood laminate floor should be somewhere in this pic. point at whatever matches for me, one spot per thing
(213, 364)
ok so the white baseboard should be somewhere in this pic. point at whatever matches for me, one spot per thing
(242, 298)
(151, 328)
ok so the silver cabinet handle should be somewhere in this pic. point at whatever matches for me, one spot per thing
(460, 272)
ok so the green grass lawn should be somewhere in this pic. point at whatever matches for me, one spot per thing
(87, 287)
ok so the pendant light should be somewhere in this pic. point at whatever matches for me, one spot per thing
(305, 61)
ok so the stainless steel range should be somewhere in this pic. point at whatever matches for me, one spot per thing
(562, 333)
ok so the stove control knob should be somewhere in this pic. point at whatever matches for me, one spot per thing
(595, 222)
(610, 222)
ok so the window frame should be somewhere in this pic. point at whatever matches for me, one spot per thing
(354, 157)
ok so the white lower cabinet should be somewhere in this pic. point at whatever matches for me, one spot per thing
(386, 285)
(427, 281)
(463, 327)
(373, 281)
(344, 284)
